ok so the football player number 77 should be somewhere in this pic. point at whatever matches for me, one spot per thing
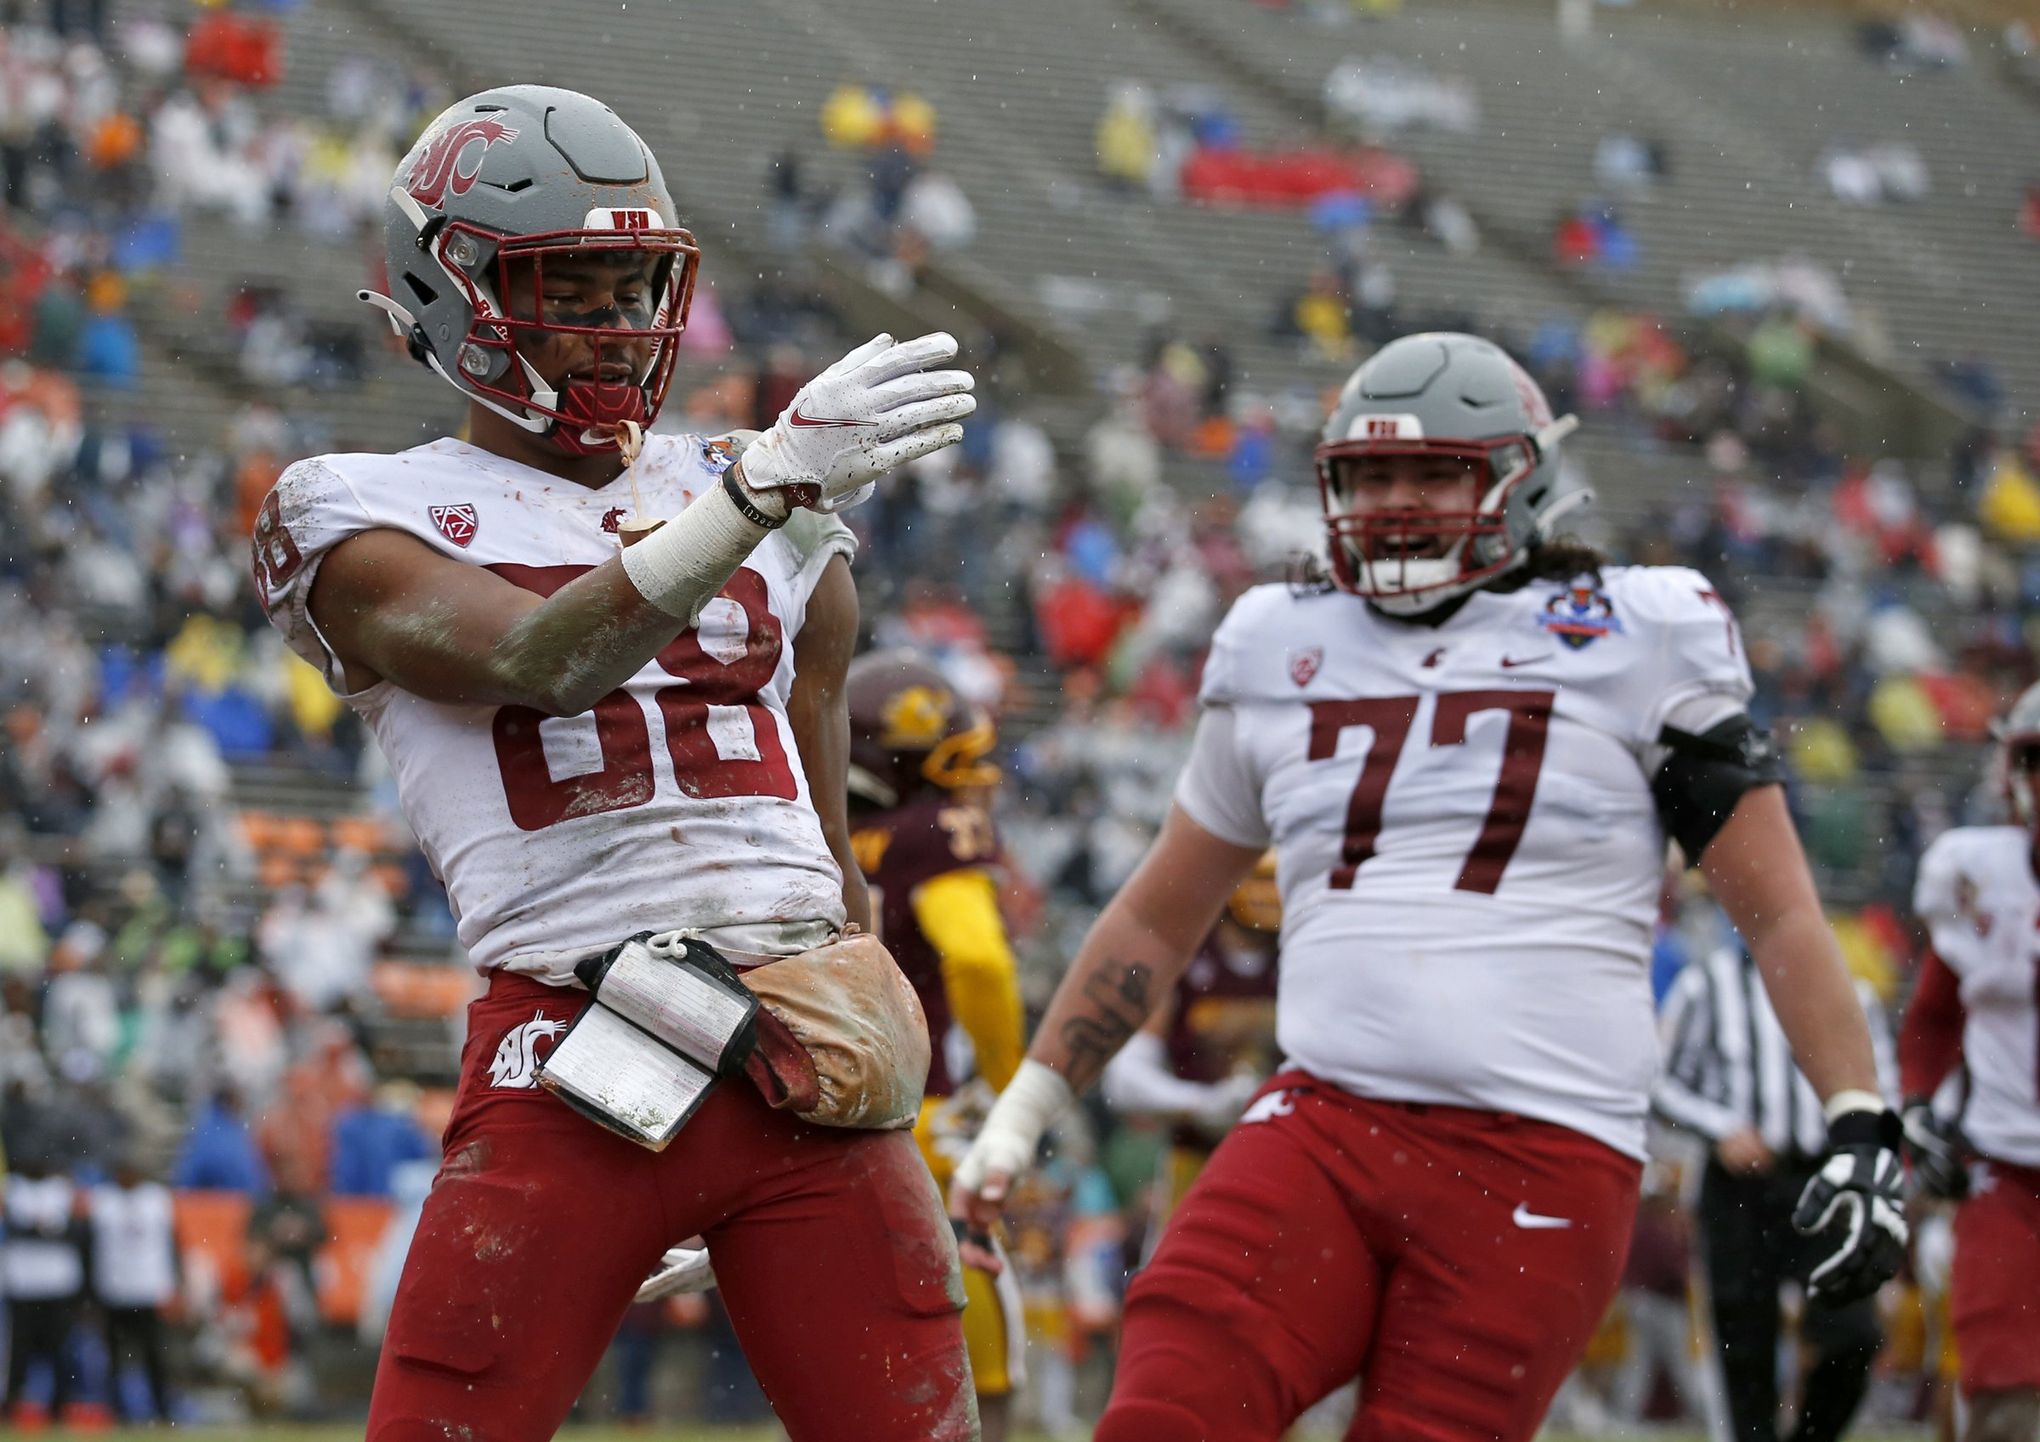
(1389, 717)
(720, 739)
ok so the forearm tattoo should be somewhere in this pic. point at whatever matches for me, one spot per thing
(1115, 1001)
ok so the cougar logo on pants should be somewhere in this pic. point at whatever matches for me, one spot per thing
(516, 1062)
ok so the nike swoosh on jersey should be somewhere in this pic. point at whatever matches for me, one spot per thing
(1531, 1221)
(1510, 663)
(797, 419)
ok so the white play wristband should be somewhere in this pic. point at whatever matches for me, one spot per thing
(1843, 1102)
(684, 563)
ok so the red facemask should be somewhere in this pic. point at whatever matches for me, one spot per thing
(585, 413)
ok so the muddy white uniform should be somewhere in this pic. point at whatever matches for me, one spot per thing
(1468, 851)
(1978, 897)
(677, 801)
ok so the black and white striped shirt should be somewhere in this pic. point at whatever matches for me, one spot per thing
(1728, 1066)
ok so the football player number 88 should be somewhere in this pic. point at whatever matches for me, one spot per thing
(1389, 718)
(700, 714)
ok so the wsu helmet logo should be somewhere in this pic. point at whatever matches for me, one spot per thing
(516, 1061)
(439, 168)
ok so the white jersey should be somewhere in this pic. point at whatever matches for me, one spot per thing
(1977, 894)
(1467, 848)
(677, 801)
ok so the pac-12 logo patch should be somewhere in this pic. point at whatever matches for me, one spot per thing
(456, 523)
(515, 1064)
(1581, 614)
(1304, 663)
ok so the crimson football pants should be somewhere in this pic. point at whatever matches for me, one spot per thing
(831, 1249)
(1995, 1292)
(1457, 1261)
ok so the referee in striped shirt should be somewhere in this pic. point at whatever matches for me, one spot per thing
(1729, 1077)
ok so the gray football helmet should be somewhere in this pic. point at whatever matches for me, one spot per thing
(2018, 738)
(1442, 394)
(498, 184)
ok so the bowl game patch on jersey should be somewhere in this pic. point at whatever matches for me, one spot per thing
(1581, 614)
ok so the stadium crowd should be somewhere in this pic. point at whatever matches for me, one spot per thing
(188, 997)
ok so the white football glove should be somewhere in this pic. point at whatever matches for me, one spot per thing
(1225, 1100)
(877, 408)
(1006, 1144)
(682, 1270)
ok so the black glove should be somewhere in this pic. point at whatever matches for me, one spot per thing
(1855, 1205)
(1937, 1152)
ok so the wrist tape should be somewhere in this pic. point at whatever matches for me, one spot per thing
(684, 563)
(1852, 1100)
(1029, 1105)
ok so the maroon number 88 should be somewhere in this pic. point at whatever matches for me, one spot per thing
(627, 779)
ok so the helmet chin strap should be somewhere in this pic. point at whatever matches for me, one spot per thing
(597, 415)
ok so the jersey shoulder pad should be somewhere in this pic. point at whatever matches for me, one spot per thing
(1957, 870)
(814, 537)
(1664, 596)
(1268, 644)
(312, 508)
(1691, 654)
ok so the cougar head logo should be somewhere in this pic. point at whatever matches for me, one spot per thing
(516, 1064)
(447, 162)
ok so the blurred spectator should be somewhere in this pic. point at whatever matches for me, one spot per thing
(1128, 148)
(253, 1329)
(219, 1152)
(1626, 162)
(42, 1272)
(870, 117)
(23, 941)
(373, 1141)
(1655, 1311)
(1916, 41)
(321, 943)
(1871, 174)
(134, 1278)
(1379, 96)
(287, 1227)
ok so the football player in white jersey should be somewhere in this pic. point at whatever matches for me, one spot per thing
(1468, 749)
(1977, 1006)
(592, 742)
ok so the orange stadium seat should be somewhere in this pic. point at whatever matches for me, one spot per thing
(354, 1227)
(211, 1228)
(422, 989)
(258, 829)
(301, 836)
(366, 834)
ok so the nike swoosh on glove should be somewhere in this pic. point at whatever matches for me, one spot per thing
(1935, 1149)
(1855, 1204)
(876, 409)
